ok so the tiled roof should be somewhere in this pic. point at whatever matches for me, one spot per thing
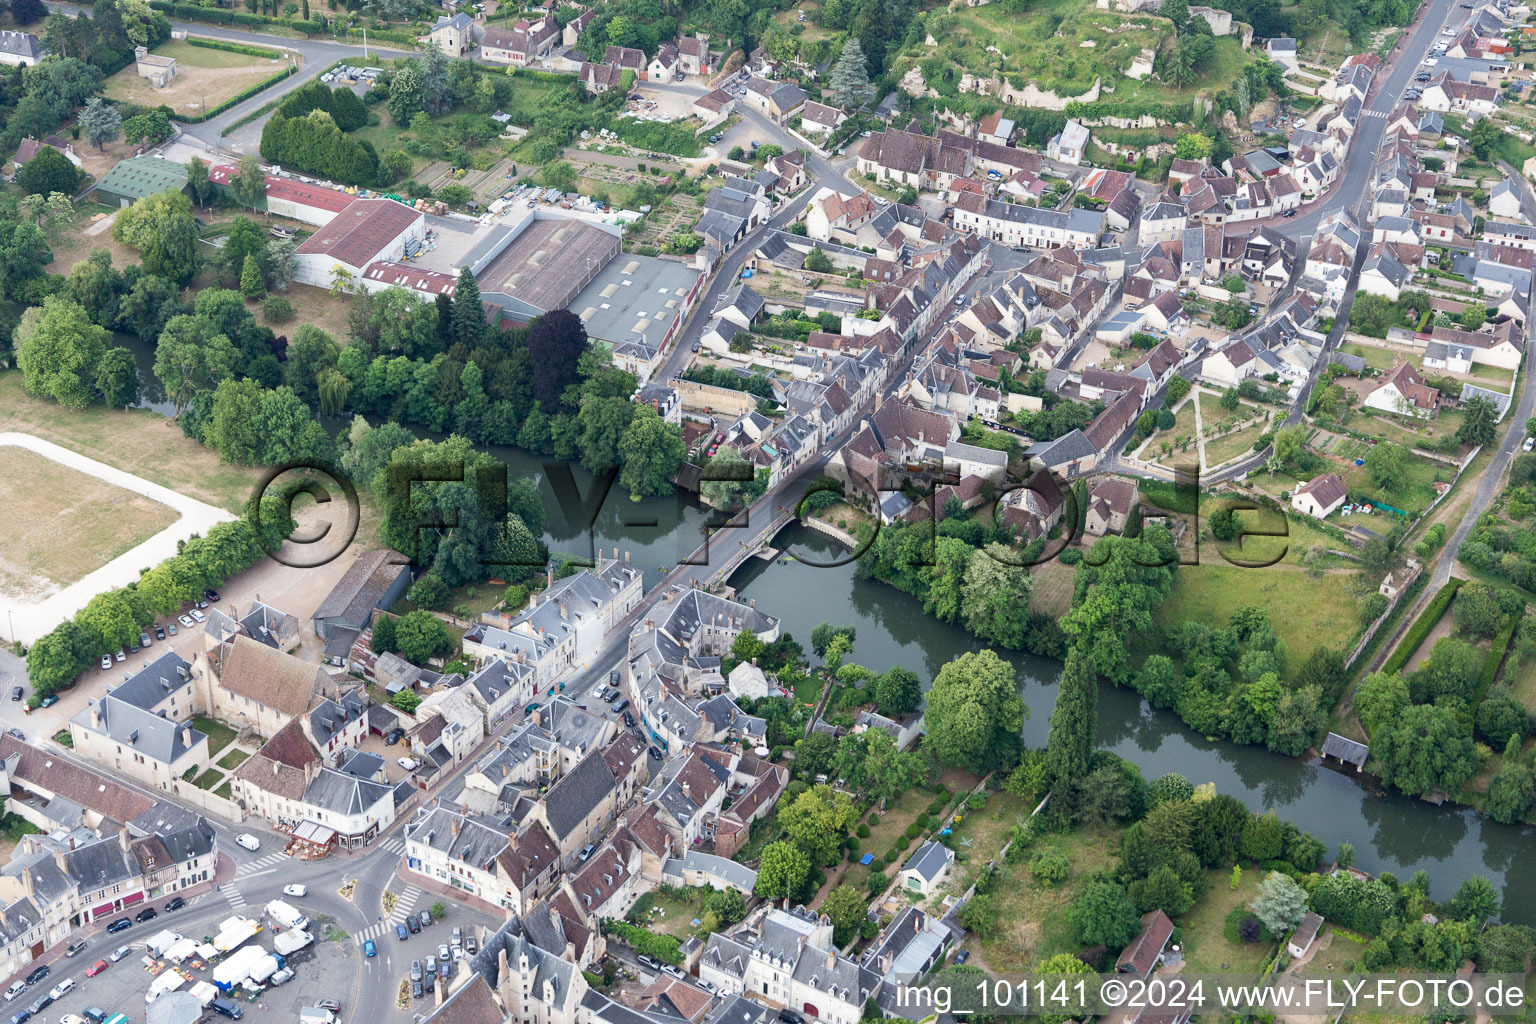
(357, 234)
(269, 677)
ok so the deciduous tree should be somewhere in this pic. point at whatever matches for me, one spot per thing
(974, 712)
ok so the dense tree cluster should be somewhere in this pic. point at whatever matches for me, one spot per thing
(314, 143)
(345, 108)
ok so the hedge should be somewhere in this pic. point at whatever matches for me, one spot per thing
(241, 122)
(239, 97)
(1496, 657)
(220, 44)
(662, 947)
(1421, 628)
(241, 19)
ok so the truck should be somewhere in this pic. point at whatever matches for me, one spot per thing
(204, 993)
(161, 941)
(316, 1015)
(237, 967)
(234, 932)
(285, 915)
(167, 981)
(289, 942)
(264, 968)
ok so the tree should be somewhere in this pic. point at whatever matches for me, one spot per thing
(727, 905)
(815, 754)
(1386, 463)
(249, 183)
(190, 358)
(823, 634)
(422, 636)
(1190, 145)
(1291, 445)
(1074, 721)
(1169, 788)
(1477, 610)
(847, 908)
(851, 87)
(1474, 901)
(117, 378)
(251, 284)
(782, 871)
(1477, 426)
(59, 350)
(979, 915)
(1511, 794)
(725, 478)
(898, 692)
(556, 342)
(27, 12)
(872, 765)
(99, 122)
(975, 712)
(1483, 137)
(384, 634)
(161, 228)
(819, 820)
(1102, 914)
(49, 171)
(1423, 749)
(1225, 523)
(197, 180)
(1280, 903)
(651, 451)
(430, 592)
(818, 262)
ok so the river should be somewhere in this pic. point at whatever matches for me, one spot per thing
(1389, 832)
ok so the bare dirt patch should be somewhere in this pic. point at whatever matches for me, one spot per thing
(71, 523)
(204, 77)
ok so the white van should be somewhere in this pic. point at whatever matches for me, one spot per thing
(16, 989)
(248, 841)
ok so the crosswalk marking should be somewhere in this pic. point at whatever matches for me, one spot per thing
(394, 844)
(251, 867)
(1376, 113)
(403, 908)
(232, 894)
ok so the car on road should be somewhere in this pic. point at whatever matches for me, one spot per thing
(295, 890)
(185, 620)
(121, 924)
(48, 701)
(369, 949)
(656, 753)
(63, 988)
(629, 720)
(329, 1004)
(413, 924)
(40, 1004)
(16, 989)
(1289, 213)
(147, 914)
(17, 693)
(646, 960)
(410, 764)
(175, 904)
(21, 1017)
(586, 852)
(119, 953)
(39, 974)
(401, 933)
(159, 632)
(248, 841)
(95, 968)
(106, 661)
(76, 948)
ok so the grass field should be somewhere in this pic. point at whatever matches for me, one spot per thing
(135, 440)
(1211, 412)
(205, 77)
(1307, 612)
(1376, 358)
(1230, 446)
(1033, 918)
(234, 759)
(68, 523)
(219, 735)
(1412, 495)
(1206, 949)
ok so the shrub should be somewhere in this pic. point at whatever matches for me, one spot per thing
(1070, 556)
(874, 821)
(277, 310)
(1049, 867)
(913, 830)
(863, 831)
(891, 855)
(936, 807)
(876, 866)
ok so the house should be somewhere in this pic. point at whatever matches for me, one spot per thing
(740, 305)
(1109, 506)
(715, 106)
(1383, 275)
(1305, 934)
(626, 58)
(159, 70)
(1345, 750)
(1445, 94)
(694, 53)
(779, 100)
(525, 42)
(571, 34)
(787, 960)
(1146, 949)
(1504, 201)
(377, 579)
(453, 37)
(1070, 145)
(138, 728)
(20, 49)
(1320, 496)
(29, 147)
(509, 869)
(1403, 392)
(599, 78)
(819, 117)
(1162, 220)
(665, 65)
(926, 868)
(1016, 225)
(1282, 50)
(247, 683)
(996, 128)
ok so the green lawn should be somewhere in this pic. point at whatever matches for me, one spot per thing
(1211, 412)
(1230, 446)
(1033, 918)
(223, 791)
(1376, 358)
(898, 814)
(234, 759)
(981, 834)
(1411, 495)
(1206, 947)
(14, 826)
(1307, 612)
(219, 734)
(208, 778)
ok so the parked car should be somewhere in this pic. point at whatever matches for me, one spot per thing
(16, 989)
(17, 693)
(175, 904)
(17, 734)
(444, 968)
(50, 700)
(676, 972)
(401, 933)
(586, 852)
(394, 736)
(248, 841)
(962, 956)
(282, 976)
(410, 764)
(170, 627)
(415, 970)
(185, 620)
(95, 968)
(120, 952)
(159, 632)
(121, 924)
(106, 662)
(629, 720)
(94, 1014)
(147, 914)
(198, 616)
(329, 1004)
(39, 974)
(646, 960)
(416, 990)
(212, 595)
(413, 924)
(431, 963)
(227, 1008)
(21, 1017)
(656, 753)
(295, 890)
(442, 951)
(63, 988)
(40, 1004)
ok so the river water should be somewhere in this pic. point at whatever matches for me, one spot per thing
(1389, 832)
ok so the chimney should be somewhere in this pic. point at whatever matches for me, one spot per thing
(96, 715)
(122, 838)
(752, 602)
(455, 827)
(186, 735)
(549, 574)
(831, 959)
(565, 613)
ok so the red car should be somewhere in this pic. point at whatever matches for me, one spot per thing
(95, 968)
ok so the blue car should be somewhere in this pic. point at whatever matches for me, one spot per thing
(401, 933)
(369, 949)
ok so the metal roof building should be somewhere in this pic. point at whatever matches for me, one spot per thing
(139, 176)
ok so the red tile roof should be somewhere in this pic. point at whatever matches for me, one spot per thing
(360, 232)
